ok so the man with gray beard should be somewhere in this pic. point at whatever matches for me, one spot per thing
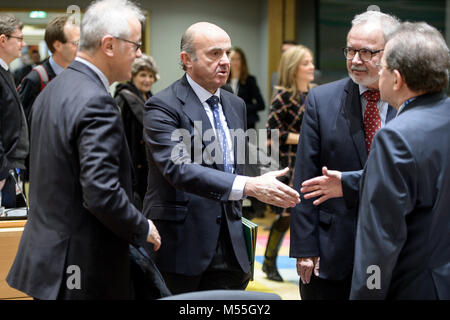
(340, 121)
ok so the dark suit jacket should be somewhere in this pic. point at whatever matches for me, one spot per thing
(250, 93)
(131, 104)
(30, 87)
(80, 186)
(404, 220)
(10, 120)
(331, 135)
(186, 200)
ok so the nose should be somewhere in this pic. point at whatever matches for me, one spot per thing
(356, 59)
(225, 59)
(138, 53)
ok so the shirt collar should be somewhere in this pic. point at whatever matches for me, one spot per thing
(404, 104)
(363, 89)
(96, 70)
(56, 67)
(4, 64)
(201, 92)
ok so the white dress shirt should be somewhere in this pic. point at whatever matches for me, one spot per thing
(237, 191)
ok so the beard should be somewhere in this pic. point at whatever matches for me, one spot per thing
(364, 81)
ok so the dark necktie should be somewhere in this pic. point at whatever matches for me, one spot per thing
(213, 103)
(372, 120)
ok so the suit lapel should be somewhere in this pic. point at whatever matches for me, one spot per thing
(352, 112)
(195, 111)
(10, 81)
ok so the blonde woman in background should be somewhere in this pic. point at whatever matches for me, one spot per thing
(296, 73)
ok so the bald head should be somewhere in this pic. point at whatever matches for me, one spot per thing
(188, 41)
(205, 50)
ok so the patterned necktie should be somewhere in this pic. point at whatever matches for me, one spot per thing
(372, 120)
(213, 103)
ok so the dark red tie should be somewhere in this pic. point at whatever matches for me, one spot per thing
(372, 120)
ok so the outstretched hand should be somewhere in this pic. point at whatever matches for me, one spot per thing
(325, 187)
(268, 189)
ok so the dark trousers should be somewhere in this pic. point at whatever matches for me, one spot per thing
(224, 272)
(9, 193)
(322, 289)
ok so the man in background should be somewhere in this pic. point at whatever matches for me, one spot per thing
(30, 61)
(61, 36)
(14, 143)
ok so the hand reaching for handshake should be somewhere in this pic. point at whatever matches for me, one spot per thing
(268, 189)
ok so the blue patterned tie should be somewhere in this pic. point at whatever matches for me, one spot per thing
(213, 103)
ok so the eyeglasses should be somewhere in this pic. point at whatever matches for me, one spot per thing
(364, 54)
(137, 44)
(75, 43)
(16, 37)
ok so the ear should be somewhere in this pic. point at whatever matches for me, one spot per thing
(3, 38)
(57, 45)
(108, 45)
(399, 82)
(186, 59)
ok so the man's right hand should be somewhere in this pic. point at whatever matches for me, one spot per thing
(324, 187)
(2, 184)
(154, 236)
(306, 266)
(268, 189)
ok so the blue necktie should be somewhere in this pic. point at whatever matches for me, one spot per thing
(213, 103)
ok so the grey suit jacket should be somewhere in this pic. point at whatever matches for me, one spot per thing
(403, 234)
(188, 198)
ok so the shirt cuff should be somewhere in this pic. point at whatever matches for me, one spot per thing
(237, 190)
(149, 228)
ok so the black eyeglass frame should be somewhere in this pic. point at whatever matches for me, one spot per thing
(137, 44)
(372, 53)
(15, 37)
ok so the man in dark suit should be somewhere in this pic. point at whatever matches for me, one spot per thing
(336, 131)
(76, 242)
(402, 239)
(62, 35)
(14, 142)
(195, 186)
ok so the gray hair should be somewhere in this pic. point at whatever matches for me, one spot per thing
(144, 63)
(107, 17)
(419, 52)
(9, 24)
(388, 23)
(187, 45)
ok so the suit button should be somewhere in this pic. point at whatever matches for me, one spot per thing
(219, 219)
(139, 166)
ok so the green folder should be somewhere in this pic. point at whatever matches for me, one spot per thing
(250, 229)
